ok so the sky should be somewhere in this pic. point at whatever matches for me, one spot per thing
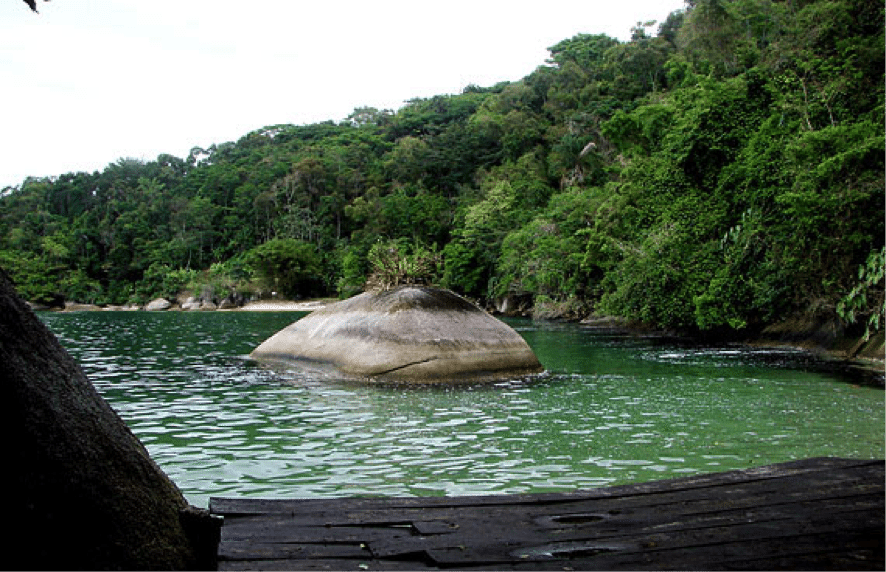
(88, 82)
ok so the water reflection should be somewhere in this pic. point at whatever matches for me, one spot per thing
(610, 409)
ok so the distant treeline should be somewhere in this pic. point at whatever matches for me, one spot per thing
(721, 170)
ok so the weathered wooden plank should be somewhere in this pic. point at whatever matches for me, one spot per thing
(397, 543)
(583, 510)
(751, 535)
(234, 550)
(632, 529)
(559, 517)
(322, 564)
(803, 555)
(628, 529)
(236, 506)
(824, 512)
(743, 554)
(282, 531)
(744, 494)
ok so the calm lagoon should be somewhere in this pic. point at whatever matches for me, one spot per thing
(610, 409)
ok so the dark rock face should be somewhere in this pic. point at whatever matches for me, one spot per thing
(409, 334)
(81, 490)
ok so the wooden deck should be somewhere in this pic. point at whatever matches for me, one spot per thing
(815, 514)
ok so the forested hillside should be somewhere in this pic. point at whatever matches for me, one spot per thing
(721, 170)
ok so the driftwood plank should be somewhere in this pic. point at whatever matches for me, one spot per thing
(816, 513)
(234, 550)
(559, 515)
(322, 564)
(600, 515)
(751, 537)
(236, 506)
(579, 510)
(726, 526)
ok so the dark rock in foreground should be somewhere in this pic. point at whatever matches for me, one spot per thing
(408, 334)
(81, 490)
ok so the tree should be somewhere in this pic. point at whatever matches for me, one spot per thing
(867, 298)
(288, 266)
(370, 117)
(710, 35)
(546, 258)
(726, 173)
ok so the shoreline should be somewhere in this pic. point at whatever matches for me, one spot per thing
(848, 350)
(844, 350)
(256, 306)
(282, 306)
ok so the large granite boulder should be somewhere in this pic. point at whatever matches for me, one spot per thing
(407, 334)
(82, 493)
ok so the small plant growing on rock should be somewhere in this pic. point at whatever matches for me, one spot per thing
(392, 265)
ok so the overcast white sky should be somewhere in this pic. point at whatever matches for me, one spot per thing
(86, 82)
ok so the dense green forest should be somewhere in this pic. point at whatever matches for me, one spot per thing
(719, 171)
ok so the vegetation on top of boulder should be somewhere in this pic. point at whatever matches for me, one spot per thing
(396, 264)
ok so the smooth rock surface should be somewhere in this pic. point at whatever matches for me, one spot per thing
(408, 334)
(158, 305)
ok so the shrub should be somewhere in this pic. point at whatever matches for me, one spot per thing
(393, 265)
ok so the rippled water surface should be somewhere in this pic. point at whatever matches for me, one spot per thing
(609, 410)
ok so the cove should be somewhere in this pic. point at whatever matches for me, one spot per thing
(611, 409)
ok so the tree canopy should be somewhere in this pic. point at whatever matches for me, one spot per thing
(718, 175)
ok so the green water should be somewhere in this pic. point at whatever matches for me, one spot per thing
(610, 409)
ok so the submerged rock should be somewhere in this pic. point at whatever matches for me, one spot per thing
(408, 334)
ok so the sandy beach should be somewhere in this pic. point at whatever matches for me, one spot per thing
(283, 306)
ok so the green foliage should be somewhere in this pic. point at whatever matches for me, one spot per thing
(285, 265)
(545, 256)
(718, 176)
(34, 279)
(161, 281)
(396, 263)
(866, 297)
(353, 272)
(467, 266)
